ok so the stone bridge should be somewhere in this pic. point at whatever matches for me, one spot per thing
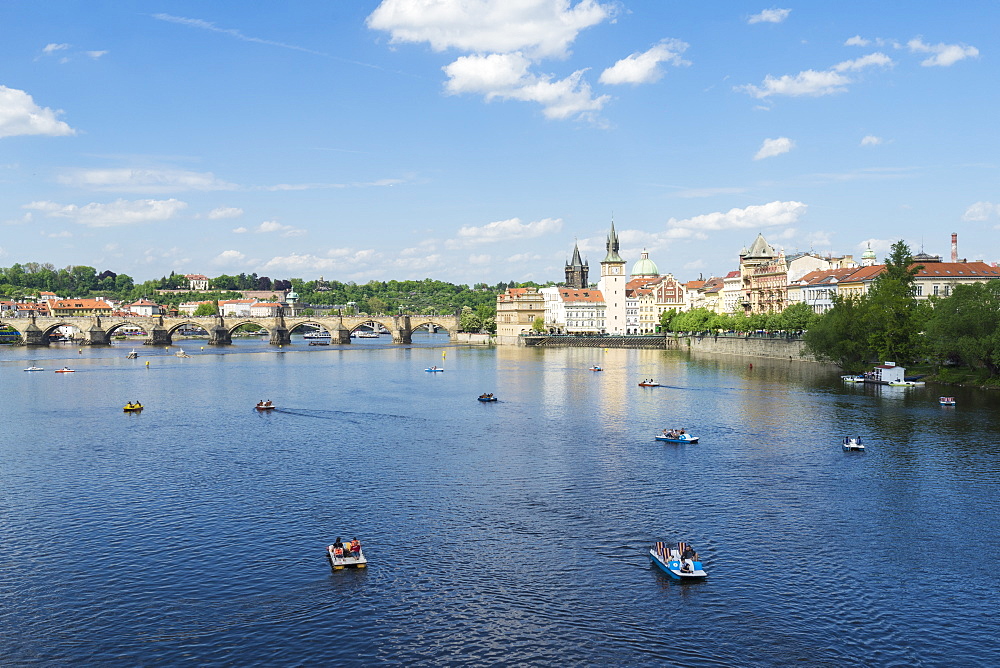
(99, 330)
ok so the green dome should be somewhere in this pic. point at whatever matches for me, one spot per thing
(645, 267)
(868, 254)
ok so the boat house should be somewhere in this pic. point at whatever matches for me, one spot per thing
(887, 373)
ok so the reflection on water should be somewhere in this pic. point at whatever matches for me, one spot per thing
(194, 532)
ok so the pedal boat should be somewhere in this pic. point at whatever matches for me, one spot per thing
(853, 379)
(596, 368)
(854, 444)
(433, 369)
(34, 368)
(668, 560)
(683, 438)
(265, 407)
(649, 384)
(944, 401)
(65, 369)
(340, 563)
(133, 408)
(486, 399)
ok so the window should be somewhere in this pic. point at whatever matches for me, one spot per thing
(936, 287)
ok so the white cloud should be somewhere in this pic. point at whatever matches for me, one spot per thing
(19, 115)
(95, 54)
(339, 259)
(857, 40)
(143, 180)
(944, 54)
(482, 260)
(240, 230)
(524, 257)
(773, 147)
(230, 257)
(269, 226)
(506, 76)
(541, 28)
(644, 67)
(755, 216)
(815, 83)
(880, 246)
(981, 211)
(770, 16)
(52, 48)
(877, 58)
(871, 140)
(112, 214)
(506, 230)
(225, 212)
(57, 235)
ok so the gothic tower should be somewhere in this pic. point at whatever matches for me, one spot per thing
(576, 271)
(612, 286)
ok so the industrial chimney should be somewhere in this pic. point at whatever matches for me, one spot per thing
(954, 247)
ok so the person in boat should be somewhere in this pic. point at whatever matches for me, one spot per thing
(338, 549)
(689, 553)
(665, 433)
(268, 403)
(686, 567)
(128, 405)
(682, 434)
(260, 403)
(355, 547)
(136, 404)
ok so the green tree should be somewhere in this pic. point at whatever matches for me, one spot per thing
(798, 316)
(208, 308)
(538, 325)
(839, 335)
(894, 321)
(469, 320)
(377, 306)
(965, 327)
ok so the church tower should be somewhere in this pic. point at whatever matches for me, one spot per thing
(612, 286)
(576, 271)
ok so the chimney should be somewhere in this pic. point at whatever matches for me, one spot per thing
(954, 247)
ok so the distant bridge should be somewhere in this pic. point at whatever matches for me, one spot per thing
(160, 330)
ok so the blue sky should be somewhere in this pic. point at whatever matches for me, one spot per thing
(476, 140)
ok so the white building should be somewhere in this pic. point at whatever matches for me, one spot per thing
(265, 309)
(144, 307)
(236, 307)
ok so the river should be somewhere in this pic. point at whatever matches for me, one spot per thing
(512, 532)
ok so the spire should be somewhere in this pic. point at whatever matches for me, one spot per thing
(612, 245)
(576, 261)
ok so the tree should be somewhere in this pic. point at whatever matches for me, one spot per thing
(965, 327)
(377, 306)
(469, 321)
(839, 336)
(894, 321)
(798, 316)
(538, 325)
(207, 308)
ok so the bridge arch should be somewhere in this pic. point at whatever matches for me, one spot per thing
(174, 326)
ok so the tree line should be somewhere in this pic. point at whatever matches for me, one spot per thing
(428, 296)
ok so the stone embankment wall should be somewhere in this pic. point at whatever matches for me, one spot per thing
(771, 348)
(659, 342)
(480, 339)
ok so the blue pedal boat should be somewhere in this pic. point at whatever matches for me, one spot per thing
(683, 438)
(680, 563)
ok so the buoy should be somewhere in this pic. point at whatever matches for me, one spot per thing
(203, 347)
(80, 351)
(147, 362)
